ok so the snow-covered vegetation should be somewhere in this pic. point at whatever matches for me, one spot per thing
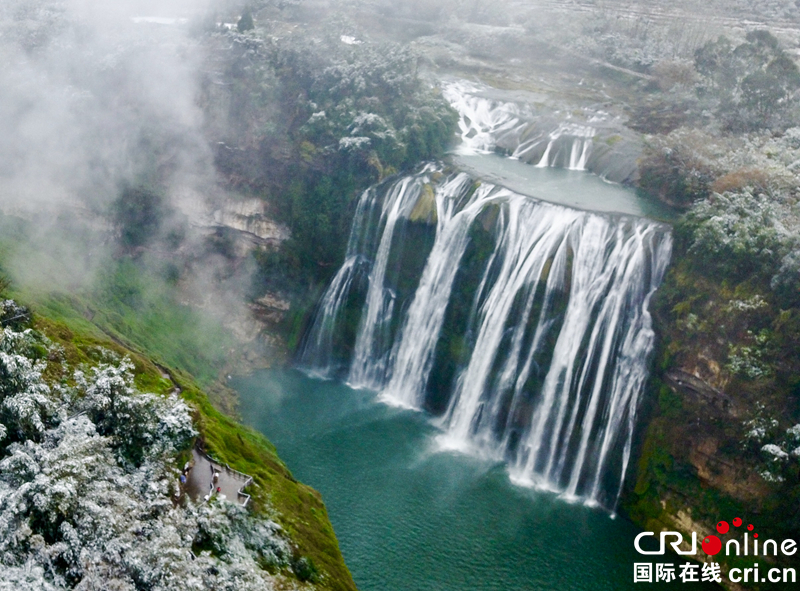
(310, 120)
(740, 234)
(89, 489)
(735, 168)
(639, 44)
(778, 449)
(744, 198)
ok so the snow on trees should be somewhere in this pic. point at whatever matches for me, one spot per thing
(88, 487)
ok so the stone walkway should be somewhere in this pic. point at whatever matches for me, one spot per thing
(200, 477)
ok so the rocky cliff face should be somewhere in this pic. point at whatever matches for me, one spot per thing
(249, 216)
(719, 437)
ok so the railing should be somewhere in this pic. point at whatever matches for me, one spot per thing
(248, 480)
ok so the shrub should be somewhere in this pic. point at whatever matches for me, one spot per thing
(735, 235)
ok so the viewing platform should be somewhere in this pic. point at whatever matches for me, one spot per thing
(207, 478)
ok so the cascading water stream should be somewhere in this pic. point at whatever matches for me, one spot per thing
(549, 352)
(317, 352)
(560, 334)
(483, 121)
(486, 123)
(567, 138)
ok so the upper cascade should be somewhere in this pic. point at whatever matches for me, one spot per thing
(521, 324)
(576, 139)
(568, 146)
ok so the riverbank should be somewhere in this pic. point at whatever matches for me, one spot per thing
(276, 496)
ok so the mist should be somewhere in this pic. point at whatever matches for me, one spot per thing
(104, 156)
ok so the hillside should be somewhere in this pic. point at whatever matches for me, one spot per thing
(94, 438)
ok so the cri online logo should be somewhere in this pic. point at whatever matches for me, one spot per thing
(713, 545)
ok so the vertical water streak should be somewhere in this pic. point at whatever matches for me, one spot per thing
(632, 373)
(585, 152)
(588, 279)
(317, 349)
(412, 356)
(318, 345)
(575, 154)
(609, 324)
(544, 161)
(533, 233)
(578, 140)
(369, 365)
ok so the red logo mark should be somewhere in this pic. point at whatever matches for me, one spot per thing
(712, 545)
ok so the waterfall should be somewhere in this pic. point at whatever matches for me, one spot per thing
(568, 138)
(486, 124)
(412, 357)
(317, 353)
(523, 326)
(369, 359)
(483, 121)
(554, 342)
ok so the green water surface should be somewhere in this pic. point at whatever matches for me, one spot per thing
(411, 518)
(573, 188)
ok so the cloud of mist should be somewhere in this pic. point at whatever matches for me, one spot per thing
(96, 96)
(98, 107)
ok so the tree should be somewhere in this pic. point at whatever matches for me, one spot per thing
(137, 214)
(761, 95)
(714, 62)
(245, 22)
(753, 83)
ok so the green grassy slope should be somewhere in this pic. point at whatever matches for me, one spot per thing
(276, 494)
